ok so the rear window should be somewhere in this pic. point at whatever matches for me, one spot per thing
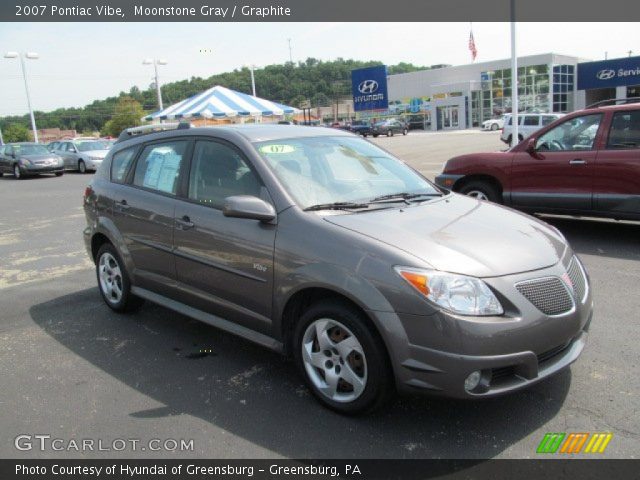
(625, 130)
(120, 164)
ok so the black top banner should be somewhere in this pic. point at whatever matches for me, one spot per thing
(316, 11)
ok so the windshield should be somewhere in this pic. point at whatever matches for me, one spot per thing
(31, 149)
(88, 146)
(322, 170)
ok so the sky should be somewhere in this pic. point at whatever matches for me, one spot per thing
(82, 62)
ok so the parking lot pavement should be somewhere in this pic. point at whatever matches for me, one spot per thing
(72, 369)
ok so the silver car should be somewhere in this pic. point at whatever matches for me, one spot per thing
(82, 154)
(322, 246)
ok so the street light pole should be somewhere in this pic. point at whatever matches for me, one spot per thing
(514, 78)
(31, 56)
(253, 80)
(155, 63)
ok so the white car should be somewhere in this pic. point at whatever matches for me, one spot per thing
(493, 123)
(528, 123)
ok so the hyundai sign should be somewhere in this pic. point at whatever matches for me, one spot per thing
(609, 73)
(369, 87)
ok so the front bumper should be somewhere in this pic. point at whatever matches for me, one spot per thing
(447, 181)
(35, 169)
(512, 352)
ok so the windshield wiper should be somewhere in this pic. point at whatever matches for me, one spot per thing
(336, 206)
(403, 196)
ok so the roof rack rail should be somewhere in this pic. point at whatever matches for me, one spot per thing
(615, 101)
(129, 133)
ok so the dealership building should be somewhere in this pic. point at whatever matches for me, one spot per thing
(459, 97)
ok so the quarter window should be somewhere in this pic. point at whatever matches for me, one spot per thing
(120, 164)
(577, 133)
(625, 130)
(218, 172)
(159, 166)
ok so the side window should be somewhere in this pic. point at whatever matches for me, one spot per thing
(531, 120)
(120, 164)
(547, 119)
(625, 130)
(218, 172)
(158, 167)
(577, 133)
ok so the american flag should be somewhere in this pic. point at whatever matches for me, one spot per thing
(472, 47)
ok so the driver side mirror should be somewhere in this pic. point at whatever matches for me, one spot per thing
(248, 206)
(531, 146)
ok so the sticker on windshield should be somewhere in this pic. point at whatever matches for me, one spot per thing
(271, 149)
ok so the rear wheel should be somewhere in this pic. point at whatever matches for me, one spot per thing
(82, 167)
(481, 190)
(16, 172)
(343, 361)
(405, 131)
(113, 280)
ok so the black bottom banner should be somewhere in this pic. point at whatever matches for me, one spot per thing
(47, 469)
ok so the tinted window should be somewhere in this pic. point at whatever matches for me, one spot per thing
(547, 119)
(158, 167)
(218, 172)
(625, 130)
(578, 133)
(120, 164)
(531, 120)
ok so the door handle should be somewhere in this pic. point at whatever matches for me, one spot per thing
(122, 205)
(577, 161)
(184, 223)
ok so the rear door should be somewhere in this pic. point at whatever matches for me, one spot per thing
(143, 210)
(559, 174)
(617, 178)
(225, 265)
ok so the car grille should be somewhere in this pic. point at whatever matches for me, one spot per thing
(549, 295)
(576, 274)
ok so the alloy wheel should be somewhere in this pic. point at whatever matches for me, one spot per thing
(479, 194)
(110, 277)
(334, 360)
(16, 172)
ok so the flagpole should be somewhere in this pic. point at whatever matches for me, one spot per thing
(514, 78)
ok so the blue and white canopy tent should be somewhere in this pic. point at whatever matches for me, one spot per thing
(220, 103)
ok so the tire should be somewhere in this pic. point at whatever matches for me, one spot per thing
(494, 127)
(17, 173)
(363, 360)
(112, 278)
(520, 138)
(389, 133)
(509, 138)
(82, 167)
(375, 135)
(405, 131)
(481, 190)
(59, 174)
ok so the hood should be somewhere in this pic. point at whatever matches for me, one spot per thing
(463, 235)
(40, 157)
(96, 153)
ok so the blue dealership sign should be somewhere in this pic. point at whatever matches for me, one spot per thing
(369, 88)
(609, 73)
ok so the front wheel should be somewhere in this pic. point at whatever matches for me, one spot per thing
(343, 361)
(82, 167)
(59, 174)
(113, 281)
(405, 131)
(16, 172)
(494, 126)
(482, 191)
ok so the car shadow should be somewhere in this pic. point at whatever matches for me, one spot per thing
(194, 369)
(600, 237)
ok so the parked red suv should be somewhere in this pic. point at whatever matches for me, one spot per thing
(586, 163)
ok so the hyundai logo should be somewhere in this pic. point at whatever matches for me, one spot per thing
(368, 86)
(606, 74)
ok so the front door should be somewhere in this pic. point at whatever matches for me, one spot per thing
(559, 174)
(617, 178)
(225, 265)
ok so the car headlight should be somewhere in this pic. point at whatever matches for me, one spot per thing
(24, 161)
(455, 293)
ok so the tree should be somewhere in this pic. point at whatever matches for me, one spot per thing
(16, 132)
(128, 113)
